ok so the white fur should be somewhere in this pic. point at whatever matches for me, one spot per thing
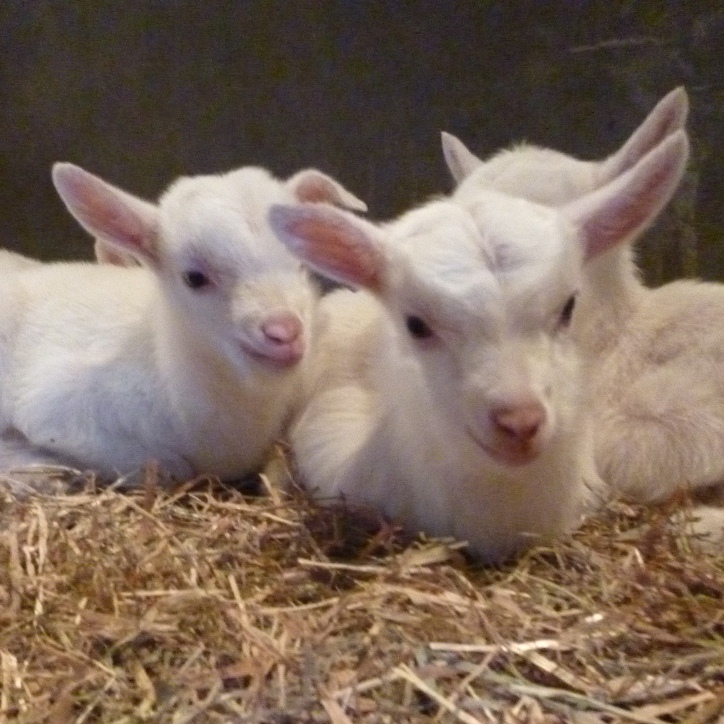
(413, 427)
(11, 261)
(656, 355)
(106, 367)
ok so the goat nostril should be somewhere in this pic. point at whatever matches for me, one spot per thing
(520, 422)
(282, 329)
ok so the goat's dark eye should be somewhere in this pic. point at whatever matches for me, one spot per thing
(567, 312)
(195, 279)
(418, 328)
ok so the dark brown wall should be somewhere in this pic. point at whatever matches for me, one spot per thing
(142, 92)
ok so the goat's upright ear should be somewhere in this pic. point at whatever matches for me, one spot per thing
(310, 185)
(335, 243)
(619, 211)
(128, 224)
(106, 253)
(460, 161)
(668, 116)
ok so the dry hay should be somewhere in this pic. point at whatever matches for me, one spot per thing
(205, 605)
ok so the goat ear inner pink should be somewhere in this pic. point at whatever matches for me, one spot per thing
(341, 251)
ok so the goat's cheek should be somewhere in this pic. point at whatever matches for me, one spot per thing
(476, 413)
(444, 375)
(558, 380)
(540, 356)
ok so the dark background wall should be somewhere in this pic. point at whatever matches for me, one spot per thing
(142, 92)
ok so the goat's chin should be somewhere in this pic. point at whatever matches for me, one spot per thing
(510, 453)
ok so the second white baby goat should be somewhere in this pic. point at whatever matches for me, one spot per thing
(446, 393)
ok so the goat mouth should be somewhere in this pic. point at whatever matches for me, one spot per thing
(513, 454)
(273, 357)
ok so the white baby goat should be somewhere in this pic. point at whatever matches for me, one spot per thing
(446, 393)
(657, 359)
(192, 359)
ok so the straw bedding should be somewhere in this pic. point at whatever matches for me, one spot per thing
(206, 604)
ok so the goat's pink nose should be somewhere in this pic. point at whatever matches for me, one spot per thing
(519, 422)
(283, 328)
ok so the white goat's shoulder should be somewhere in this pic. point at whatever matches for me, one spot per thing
(342, 406)
(347, 320)
(666, 431)
(670, 329)
(82, 349)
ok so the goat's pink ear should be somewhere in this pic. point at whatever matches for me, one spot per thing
(460, 161)
(336, 243)
(313, 186)
(619, 211)
(128, 224)
(108, 254)
(668, 116)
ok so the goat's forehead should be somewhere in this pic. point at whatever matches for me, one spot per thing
(439, 239)
(514, 253)
(224, 219)
(248, 192)
(521, 234)
(438, 259)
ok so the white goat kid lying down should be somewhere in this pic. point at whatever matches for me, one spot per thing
(446, 393)
(657, 359)
(192, 359)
